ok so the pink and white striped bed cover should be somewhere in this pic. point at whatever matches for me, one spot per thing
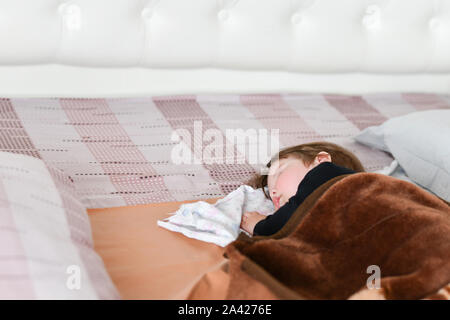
(117, 151)
(46, 246)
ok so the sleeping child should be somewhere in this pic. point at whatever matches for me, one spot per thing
(340, 233)
(297, 172)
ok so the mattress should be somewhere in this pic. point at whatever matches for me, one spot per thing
(119, 152)
(148, 262)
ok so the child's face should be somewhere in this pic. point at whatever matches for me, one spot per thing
(286, 174)
(284, 177)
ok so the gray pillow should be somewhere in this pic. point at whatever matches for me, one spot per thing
(420, 142)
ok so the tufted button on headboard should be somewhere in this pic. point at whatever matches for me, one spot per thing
(129, 47)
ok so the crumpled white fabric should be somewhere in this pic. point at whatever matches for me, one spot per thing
(220, 222)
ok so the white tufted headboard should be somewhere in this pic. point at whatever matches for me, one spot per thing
(148, 47)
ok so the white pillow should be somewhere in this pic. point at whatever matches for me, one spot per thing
(46, 247)
(420, 142)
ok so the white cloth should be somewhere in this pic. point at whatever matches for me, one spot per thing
(220, 222)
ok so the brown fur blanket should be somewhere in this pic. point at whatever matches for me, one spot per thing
(346, 225)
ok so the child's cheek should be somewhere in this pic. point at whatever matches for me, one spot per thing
(287, 184)
(289, 180)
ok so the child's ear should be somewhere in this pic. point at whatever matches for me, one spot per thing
(322, 156)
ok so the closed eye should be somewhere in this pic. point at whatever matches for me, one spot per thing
(282, 164)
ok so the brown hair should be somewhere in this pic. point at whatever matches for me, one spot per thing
(307, 153)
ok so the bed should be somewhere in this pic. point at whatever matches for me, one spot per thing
(98, 94)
